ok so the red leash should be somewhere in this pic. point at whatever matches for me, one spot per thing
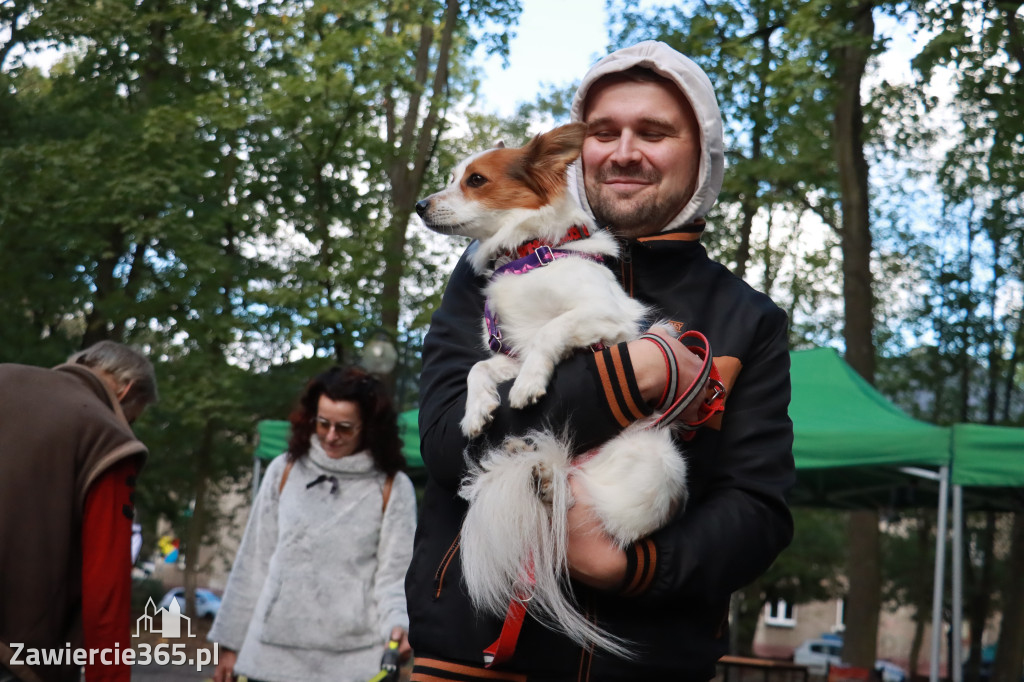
(708, 373)
(502, 648)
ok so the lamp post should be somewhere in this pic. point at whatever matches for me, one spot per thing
(379, 357)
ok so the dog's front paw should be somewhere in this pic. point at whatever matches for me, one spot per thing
(475, 421)
(525, 392)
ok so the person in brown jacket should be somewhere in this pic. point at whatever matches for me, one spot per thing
(68, 461)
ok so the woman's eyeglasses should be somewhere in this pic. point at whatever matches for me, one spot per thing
(343, 428)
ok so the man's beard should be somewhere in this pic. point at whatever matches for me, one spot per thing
(633, 216)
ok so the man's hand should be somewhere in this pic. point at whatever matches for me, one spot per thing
(651, 373)
(594, 558)
(225, 671)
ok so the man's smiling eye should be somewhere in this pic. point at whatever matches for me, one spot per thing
(476, 180)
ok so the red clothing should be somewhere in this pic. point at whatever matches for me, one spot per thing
(106, 569)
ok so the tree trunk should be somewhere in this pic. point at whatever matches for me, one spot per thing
(855, 234)
(863, 600)
(414, 150)
(966, 358)
(914, 659)
(1009, 383)
(746, 606)
(196, 525)
(922, 597)
(1010, 650)
(751, 203)
(980, 597)
(743, 247)
(864, 568)
(995, 350)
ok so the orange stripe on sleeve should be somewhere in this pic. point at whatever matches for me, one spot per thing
(609, 391)
(620, 374)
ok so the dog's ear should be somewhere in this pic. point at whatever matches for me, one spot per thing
(556, 147)
(546, 159)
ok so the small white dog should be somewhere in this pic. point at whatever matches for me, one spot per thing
(548, 296)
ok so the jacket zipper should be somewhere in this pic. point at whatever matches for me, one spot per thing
(445, 563)
(626, 265)
(587, 653)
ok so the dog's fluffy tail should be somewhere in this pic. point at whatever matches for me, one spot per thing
(514, 537)
(636, 481)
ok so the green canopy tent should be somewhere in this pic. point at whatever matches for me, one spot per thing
(988, 456)
(852, 447)
(855, 449)
(987, 461)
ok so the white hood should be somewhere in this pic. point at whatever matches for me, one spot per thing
(696, 87)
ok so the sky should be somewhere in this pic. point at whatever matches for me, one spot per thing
(555, 44)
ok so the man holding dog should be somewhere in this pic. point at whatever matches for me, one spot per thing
(651, 168)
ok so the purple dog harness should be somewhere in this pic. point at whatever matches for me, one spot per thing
(532, 255)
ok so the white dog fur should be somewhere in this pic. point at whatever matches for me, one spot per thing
(514, 534)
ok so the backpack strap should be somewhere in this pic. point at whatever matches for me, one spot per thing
(284, 476)
(387, 491)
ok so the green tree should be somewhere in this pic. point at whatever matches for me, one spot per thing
(126, 166)
(354, 100)
(981, 48)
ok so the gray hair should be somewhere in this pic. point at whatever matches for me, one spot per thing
(126, 365)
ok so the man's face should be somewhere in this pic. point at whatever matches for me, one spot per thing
(132, 410)
(641, 155)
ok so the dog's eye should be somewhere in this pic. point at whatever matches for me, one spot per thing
(476, 180)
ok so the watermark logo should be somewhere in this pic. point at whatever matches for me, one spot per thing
(143, 653)
(170, 621)
(172, 625)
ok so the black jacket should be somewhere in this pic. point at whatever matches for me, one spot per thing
(674, 602)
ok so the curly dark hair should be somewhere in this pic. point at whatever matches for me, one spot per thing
(379, 434)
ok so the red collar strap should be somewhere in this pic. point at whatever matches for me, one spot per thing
(573, 234)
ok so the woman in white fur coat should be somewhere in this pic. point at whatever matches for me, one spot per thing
(316, 590)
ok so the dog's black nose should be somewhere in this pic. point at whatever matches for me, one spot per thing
(421, 206)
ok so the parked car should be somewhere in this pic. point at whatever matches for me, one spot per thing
(819, 653)
(207, 603)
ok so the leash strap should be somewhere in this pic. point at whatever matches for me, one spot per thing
(672, 373)
(708, 373)
(502, 648)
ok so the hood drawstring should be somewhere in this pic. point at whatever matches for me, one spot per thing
(324, 478)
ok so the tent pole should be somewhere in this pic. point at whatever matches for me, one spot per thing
(956, 622)
(940, 574)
